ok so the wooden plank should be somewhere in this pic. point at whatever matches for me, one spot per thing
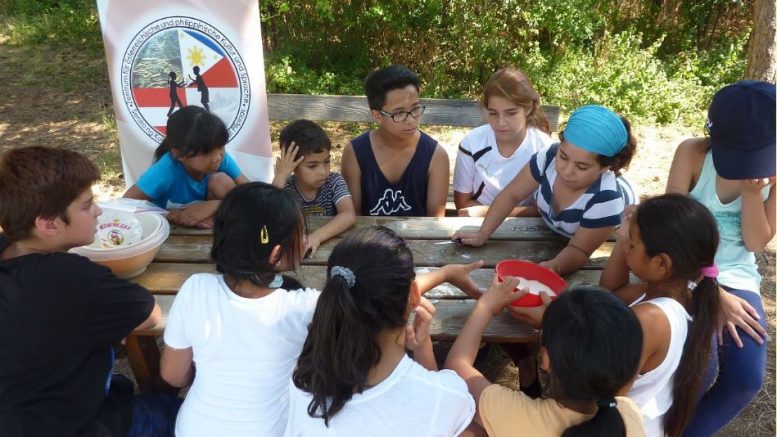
(167, 278)
(196, 249)
(443, 112)
(446, 325)
(431, 228)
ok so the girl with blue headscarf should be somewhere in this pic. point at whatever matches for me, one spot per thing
(576, 185)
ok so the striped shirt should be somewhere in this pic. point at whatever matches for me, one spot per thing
(600, 206)
(333, 190)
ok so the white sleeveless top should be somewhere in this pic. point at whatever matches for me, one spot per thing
(652, 391)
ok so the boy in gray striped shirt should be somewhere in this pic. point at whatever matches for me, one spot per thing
(304, 169)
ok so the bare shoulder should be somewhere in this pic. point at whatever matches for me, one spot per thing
(692, 150)
(440, 152)
(652, 318)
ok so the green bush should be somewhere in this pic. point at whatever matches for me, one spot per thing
(71, 23)
(630, 79)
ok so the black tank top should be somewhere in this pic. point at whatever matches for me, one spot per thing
(408, 196)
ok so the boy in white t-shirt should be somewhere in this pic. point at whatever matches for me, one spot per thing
(490, 156)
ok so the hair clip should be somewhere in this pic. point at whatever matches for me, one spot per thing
(345, 273)
(264, 237)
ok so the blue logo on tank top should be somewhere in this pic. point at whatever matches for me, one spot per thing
(391, 202)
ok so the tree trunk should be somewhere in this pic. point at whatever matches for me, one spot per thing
(762, 58)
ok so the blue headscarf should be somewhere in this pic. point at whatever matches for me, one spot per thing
(596, 129)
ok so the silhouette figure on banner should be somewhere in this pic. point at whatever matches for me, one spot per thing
(174, 99)
(201, 87)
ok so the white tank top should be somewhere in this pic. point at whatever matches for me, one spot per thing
(652, 391)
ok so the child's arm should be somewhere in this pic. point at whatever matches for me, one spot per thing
(455, 274)
(135, 193)
(353, 177)
(345, 218)
(518, 189)
(758, 217)
(177, 367)
(615, 276)
(437, 184)
(286, 164)
(578, 250)
(417, 337)
(461, 357)
(152, 320)
(686, 166)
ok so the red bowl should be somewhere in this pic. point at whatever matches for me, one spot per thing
(528, 270)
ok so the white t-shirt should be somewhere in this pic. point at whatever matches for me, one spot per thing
(412, 401)
(483, 171)
(652, 391)
(244, 351)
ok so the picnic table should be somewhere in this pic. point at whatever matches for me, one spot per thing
(187, 252)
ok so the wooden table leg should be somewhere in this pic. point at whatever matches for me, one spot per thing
(143, 356)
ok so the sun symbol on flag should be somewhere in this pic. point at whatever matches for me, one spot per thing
(195, 56)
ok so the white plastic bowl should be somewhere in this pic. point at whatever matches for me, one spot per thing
(130, 261)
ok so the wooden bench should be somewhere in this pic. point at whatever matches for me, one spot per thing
(439, 112)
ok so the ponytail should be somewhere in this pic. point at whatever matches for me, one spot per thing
(354, 309)
(607, 422)
(705, 309)
(345, 349)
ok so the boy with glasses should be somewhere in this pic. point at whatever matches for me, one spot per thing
(396, 169)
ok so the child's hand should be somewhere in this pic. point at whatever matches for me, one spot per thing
(475, 239)
(458, 276)
(500, 294)
(285, 165)
(311, 244)
(174, 216)
(737, 312)
(417, 333)
(473, 211)
(193, 215)
(550, 265)
(754, 186)
(622, 233)
(531, 315)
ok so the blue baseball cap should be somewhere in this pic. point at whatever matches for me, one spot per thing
(741, 126)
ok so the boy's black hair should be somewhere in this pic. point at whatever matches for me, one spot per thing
(193, 131)
(307, 135)
(343, 345)
(251, 220)
(594, 344)
(380, 82)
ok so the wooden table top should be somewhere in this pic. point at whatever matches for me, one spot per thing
(187, 252)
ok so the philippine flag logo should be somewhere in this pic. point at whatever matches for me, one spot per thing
(180, 61)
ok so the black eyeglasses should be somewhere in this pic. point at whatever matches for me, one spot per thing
(400, 116)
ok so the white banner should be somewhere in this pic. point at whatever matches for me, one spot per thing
(166, 54)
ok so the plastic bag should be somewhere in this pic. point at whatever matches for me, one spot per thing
(117, 228)
(132, 205)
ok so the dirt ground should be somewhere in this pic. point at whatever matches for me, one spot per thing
(61, 98)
